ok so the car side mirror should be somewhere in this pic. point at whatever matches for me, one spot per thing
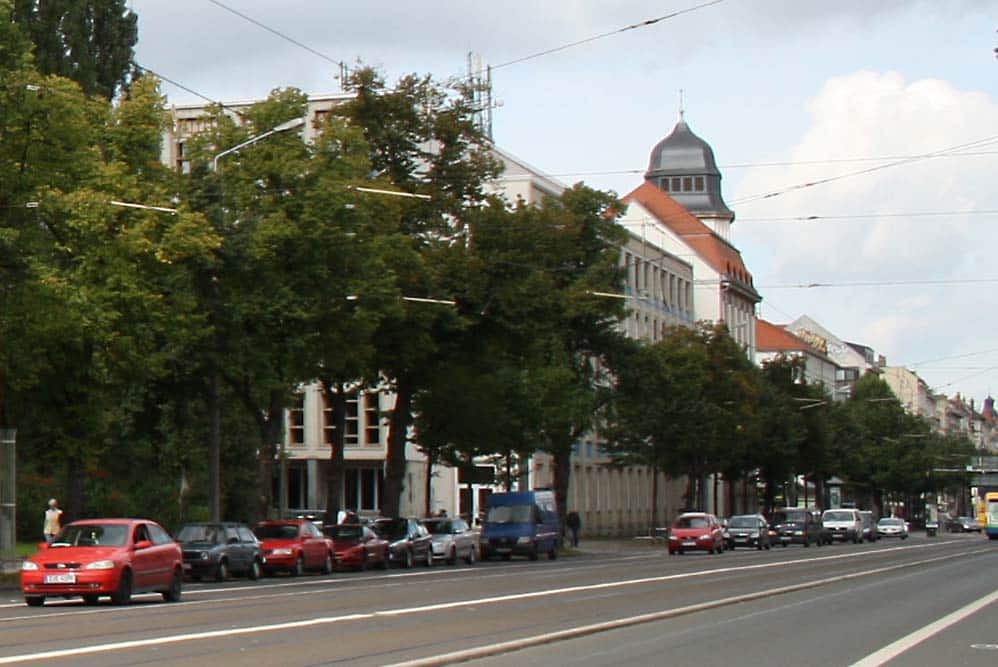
(143, 544)
(233, 540)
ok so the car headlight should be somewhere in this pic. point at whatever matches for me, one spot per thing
(798, 532)
(205, 555)
(29, 566)
(754, 536)
(100, 565)
(673, 537)
(705, 536)
(523, 540)
(282, 552)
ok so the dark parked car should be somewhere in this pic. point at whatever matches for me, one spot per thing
(796, 525)
(357, 546)
(408, 541)
(963, 524)
(747, 530)
(220, 549)
(869, 526)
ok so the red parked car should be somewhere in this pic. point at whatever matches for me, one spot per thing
(95, 557)
(694, 531)
(357, 546)
(293, 546)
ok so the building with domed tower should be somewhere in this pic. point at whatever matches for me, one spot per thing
(681, 203)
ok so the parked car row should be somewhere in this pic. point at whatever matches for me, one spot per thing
(701, 531)
(120, 557)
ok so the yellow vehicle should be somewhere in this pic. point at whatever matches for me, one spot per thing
(991, 515)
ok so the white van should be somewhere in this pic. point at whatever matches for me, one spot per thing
(843, 524)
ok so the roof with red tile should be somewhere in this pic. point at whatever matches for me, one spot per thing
(771, 337)
(718, 253)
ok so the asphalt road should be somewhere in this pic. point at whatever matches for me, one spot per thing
(919, 602)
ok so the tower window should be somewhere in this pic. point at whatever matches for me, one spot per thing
(687, 184)
(664, 183)
(698, 183)
(675, 184)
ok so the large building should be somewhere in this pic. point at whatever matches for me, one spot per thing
(680, 201)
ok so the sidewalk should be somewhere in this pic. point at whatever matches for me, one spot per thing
(614, 545)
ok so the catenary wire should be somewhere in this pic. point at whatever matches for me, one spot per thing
(634, 26)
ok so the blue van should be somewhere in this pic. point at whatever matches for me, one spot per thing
(522, 523)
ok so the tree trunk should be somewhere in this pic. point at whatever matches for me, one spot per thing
(562, 477)
(429, 484)
(398, 431)
(270, 425)
(214, 451)
(654, 501)
(335, 473)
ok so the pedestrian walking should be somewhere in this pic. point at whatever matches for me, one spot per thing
(53, 521)
(574, 523)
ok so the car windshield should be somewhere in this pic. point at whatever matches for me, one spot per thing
(838, 516)
(344, 532)
(691, 522)
(392, 530)
(509, 514)
(787, 517)
(742, 522)
(890, 522)
(199, 533)
(92, 535)
(276, 531)
(438, 527)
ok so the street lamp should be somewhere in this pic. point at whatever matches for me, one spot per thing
(283, 127)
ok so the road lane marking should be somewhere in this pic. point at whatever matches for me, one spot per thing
(898, 647)
(328, 620)
(573, 633)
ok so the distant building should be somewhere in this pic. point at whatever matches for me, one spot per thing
(773, 340)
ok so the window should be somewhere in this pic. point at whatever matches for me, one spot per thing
(675, 184)
(372, 420)
(664, 183)
(687, 184)
(698, 183)
(296, 421)
(351, 437)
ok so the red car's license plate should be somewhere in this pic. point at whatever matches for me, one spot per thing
(60, 578)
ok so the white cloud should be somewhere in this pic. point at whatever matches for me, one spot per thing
(868, 114)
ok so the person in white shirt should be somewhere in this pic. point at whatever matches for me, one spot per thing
(53, 521)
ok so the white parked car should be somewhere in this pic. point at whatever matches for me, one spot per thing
(892, 527)
(845, 525)
(452, 539)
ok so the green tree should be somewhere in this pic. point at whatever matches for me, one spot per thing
(88, 41)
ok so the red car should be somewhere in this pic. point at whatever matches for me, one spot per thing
(95, 557)
(293, 546)
(693, 531)
(357, 546)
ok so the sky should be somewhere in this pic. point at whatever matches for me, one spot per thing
(888, 108)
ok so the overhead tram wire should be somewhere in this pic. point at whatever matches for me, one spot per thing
(952, 150)
(881, 283)
(278, 33)
(635, 26)
(189, 90)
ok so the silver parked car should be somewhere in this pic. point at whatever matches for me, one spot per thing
(452, 539)
(892, 527)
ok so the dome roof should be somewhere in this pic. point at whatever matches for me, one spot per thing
(682, 152)
(683, 166)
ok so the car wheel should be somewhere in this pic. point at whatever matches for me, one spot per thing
(408, 560)
(470, 560)
(533, 553)
(34, 600)
(507, 556)
(299, 567)
(553, 554)
(807, 543)
(429, 556)
(327, 565)
(124, 593)
(91, 600)
(172, 594)
(363, 561)
(452, 556)
(222, 572)
(784, 544)
(255, 570)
